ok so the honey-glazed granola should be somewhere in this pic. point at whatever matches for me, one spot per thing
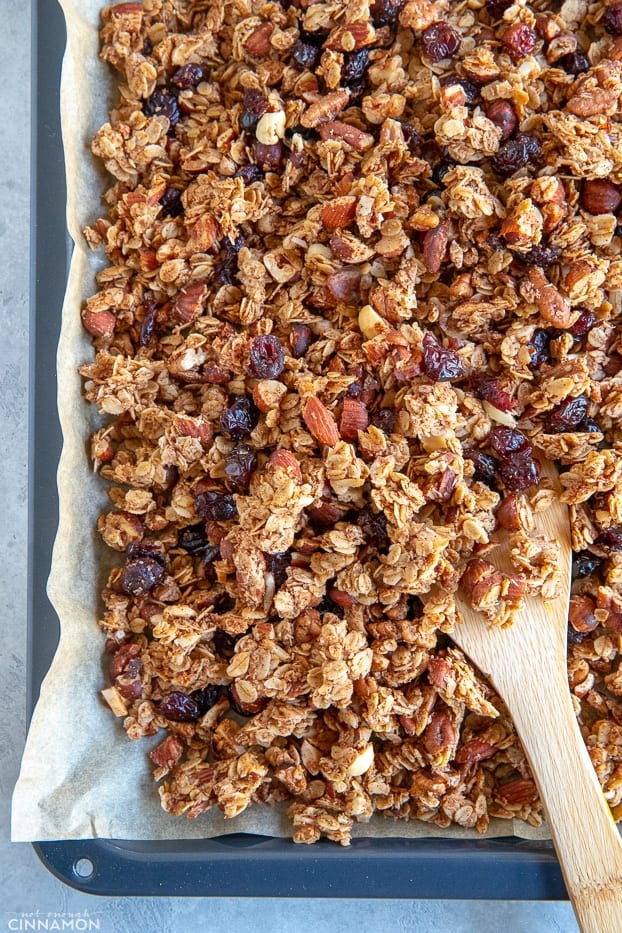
(363, 275)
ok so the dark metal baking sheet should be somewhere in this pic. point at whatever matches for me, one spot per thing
(235, 865)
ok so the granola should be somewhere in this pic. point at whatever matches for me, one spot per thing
(363, 273)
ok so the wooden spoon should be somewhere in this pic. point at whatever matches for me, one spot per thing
(526, 662)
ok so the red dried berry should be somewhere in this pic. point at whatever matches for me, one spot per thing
(266, 357)
(496, 8)
(583, 324)
(440, 40)
(611, 539)
(187, 77)
(489, 388)
(519, 40)
(239, 466)
(568, 415)
(384, 420)
(440, 363)
(179, 707)
(305, 55)
(385, 12)
(162, 103)
(255, 105)
(519, 472)
(538, 348)
(215, 506)
(508, 441)
(238, 420)
(516, 153)
(485, 466)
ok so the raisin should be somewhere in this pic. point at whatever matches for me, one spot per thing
(193, 539)
(585, 564)
(516, 153)
(243, 708)
(215, 506)
(300, 340)
(268, 157)
(171, 203)
(519, 41)
(238, 420)
(519, 472)
(584, 323)
(179, 707)
(568, 415)
(250, 174)
(489, 388)
(574, 637)
(140, 575)
(496, 8)
(187, 77)
(440, 363)
(440, 170)
(485, 466)
(541, 256)
(374, 527)
(148, 323)
(411, 137)
(384, 419)
(255, 105)
(611, 539)
(267, 358)
(588, 426)
(162, 103)
(226, 269)
(224, 643)
(206, 697)
(329, 605)
(277, 565)
(471, 90)
(575, 63)
(305, 54)
(508, 441)
(147, 48)
(355, 65)
(239, 466)
(612, 19)
(385, 12)
(440, 41)
(539, 348)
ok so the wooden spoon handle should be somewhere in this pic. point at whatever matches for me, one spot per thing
(584, 833)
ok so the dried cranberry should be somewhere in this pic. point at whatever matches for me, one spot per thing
(384, 419)
(612, 19)
(575, 63)
(489, 388)
(300, 340)
(519, 472)
(179, 707)
(355, 64)
(187, 77)
(516, 153)
(147, 549)
(539, 349)
(496, 8)
(440, 363)
(140, 575)
(485, 466)
(148, 323)
(242, 707)
(267, 358)
(305, 55)
(385, 12)
(374, 527)
(238, 420)
(519, 41)
(255, 105)
(540, 256)
(162, 103)
(277, 565)
(193, 539)
(568, 414)
(224, 643)
(239, 466)
(440, 41)
(611, 539)
(171, 203)
(585, 564)
(215, 506)
(249, 174)
(508, 441)
(471, 90)
(206, 697)
(584, 323)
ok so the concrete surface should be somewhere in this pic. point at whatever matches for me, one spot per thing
(25, 886)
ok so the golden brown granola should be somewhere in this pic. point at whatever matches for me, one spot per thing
(363, 270)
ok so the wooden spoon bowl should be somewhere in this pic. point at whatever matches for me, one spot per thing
(527, 664)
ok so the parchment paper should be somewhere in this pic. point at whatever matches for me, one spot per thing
(81, 777)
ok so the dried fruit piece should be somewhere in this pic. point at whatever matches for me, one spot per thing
(238, 419)
(440, 41)
(321, 422)
(516, 153)
(267, 358)
(440, 363)
(519, 40)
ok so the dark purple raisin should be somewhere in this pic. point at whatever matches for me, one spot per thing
(440, 170)
(516, 153)
(384, 419)
(539, 348)
(215, 506)
(300, 339)
(611, 539)
(267, 358)
(508, 441)
(147, 48)
(440, 363)
(179, 707)
(440, 41)
(575, 63)
(329, 605)
(255, 105)
(226, 269)
(193, 539)
(584, 323)
(224, 643)
(471, 90)
(207, 697)
(316, 39)
(519, 472)
(238, 419)
(385, 12)
(242, 707)
(305, 54)
(239, 466)
(485, 466)
(612, 19)
(541, 256)
(268, 157)
(250, 174)
(568, 415)
(140, 575)
(496, 8)
(171, 203)
(355, 64)
(187, 77)
(588, 426)
(489, 388)
(574, 637)
(277, 565)
(162, 103)
(147, 549)
(411, 137)
(374, 527)
(147, 325)
(585, 564)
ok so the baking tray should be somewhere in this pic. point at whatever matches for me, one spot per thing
(234, 865)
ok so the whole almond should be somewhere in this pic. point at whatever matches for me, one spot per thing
(258, 43)
(321, 422)
(285, 460)
(338, 213)
(99, 323)
(435, 245)
(354, 418)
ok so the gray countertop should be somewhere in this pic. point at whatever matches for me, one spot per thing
(27, 890)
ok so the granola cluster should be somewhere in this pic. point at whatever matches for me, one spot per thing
(363, 275)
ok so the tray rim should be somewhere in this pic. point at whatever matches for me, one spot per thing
(505, 868)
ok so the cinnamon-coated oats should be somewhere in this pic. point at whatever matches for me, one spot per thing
(363, 272)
